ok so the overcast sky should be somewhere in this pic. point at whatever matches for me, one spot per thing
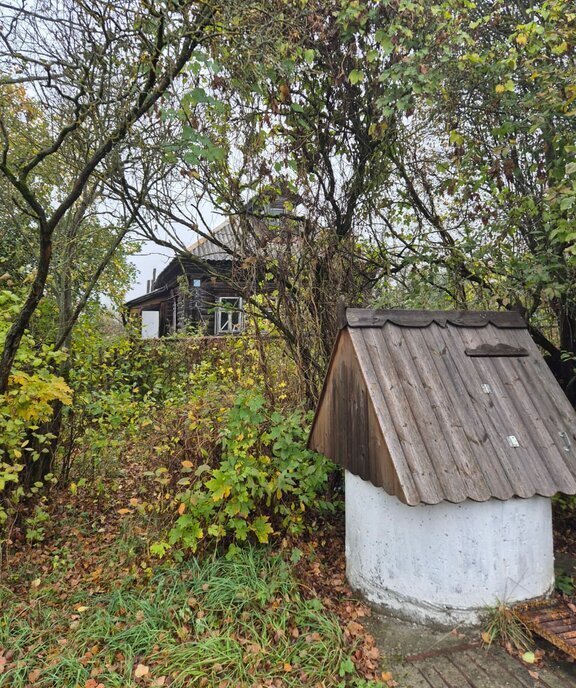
(151, 257)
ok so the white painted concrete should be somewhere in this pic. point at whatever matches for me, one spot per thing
(446, 563)
(150, 324)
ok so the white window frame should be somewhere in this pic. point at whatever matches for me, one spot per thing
(233, 304)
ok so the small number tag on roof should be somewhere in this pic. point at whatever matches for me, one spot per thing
(512, 441)
(566, 441)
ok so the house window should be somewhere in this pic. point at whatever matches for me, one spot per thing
(229, 318)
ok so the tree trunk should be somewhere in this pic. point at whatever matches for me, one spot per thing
(19, 326)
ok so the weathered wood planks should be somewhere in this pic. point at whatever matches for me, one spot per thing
(407, 407)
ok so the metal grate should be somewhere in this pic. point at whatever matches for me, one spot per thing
(553, 620)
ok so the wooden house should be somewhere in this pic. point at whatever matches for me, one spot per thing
(186, 294)
(454, 435)
(195, 293)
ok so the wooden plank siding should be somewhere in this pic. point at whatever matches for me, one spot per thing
(407, 408)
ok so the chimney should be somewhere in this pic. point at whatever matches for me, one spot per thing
(147, 286)
(153, 285)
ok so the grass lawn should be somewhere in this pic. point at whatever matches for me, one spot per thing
(88, 607)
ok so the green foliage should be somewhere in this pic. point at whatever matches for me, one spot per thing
(220, 456)
(33, 388)
(266, 479)
(564, 582)
(117, 385)
(35, 524)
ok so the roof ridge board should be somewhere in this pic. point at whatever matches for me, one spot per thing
(365, 317)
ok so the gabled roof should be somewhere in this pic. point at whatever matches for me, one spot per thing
(202, 248)
(208, 250)
(434, 405)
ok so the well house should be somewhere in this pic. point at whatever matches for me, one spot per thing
(454, 435)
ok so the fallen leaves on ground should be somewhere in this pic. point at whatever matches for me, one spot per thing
(81, 550)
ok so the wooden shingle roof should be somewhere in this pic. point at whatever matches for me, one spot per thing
(435, 405)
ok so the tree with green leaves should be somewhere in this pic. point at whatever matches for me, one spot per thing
(483, 206)
(97, 71)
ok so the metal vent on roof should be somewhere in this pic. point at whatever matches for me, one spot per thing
(488, 350)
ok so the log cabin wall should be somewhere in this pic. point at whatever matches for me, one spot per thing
(196, 304)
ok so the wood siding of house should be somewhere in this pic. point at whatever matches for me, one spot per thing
(182, 305)
(196, 305)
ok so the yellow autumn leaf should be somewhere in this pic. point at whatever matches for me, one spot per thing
(141, 670)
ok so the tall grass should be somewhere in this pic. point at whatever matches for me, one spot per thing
(197, 623)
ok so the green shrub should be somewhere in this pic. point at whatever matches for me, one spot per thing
(32, 389)
(266, 479)
(222, 449)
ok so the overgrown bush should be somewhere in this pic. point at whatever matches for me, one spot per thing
(33, 388)
(219, 442)
(266, 479)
